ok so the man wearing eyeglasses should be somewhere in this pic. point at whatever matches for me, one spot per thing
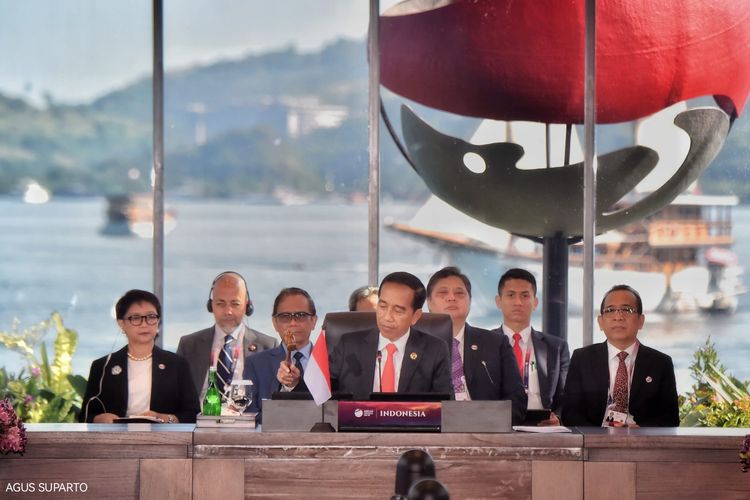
(620, 382)
(294, 319)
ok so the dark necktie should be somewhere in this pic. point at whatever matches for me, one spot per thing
(301, 386)
(457, 373)
(224, 364)
(620, 390)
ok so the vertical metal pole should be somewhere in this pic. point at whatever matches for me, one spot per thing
(373, 206)
(555, 275)
(555, 289)
(158, 153)
(589, 174)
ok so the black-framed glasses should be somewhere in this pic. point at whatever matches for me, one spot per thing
(288, 317)
(137, 319)
(625, 311)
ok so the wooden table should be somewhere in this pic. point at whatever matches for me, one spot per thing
(178, 461)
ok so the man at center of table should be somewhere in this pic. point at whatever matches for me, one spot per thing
(394, 356)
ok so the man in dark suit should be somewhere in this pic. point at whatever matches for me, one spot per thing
(294, 319)
(229, 302)
(483, 366)
(394, 357)
(542, 360)
(632, 384)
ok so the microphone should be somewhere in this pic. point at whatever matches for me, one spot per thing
(428, 489)
(379, 357)
(412, 466)
(488, 372)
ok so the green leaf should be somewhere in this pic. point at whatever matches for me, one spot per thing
(78, 383)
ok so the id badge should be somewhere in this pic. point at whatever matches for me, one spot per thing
(612, 416)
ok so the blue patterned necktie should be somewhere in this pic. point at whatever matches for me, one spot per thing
(301, 386)
(224, 365)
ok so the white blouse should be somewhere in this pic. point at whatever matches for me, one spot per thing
(139, 386)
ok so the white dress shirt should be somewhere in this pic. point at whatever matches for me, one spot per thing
(533, 390)
(218, 344)
(398, 357)
(461, 396)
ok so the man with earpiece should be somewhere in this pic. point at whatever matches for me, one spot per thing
(226, 343)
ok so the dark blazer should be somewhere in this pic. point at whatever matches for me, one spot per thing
(261, 368)
(653, 392)
(196, 349)
(552, 357)
(491, 370)
(426, 365)
(172, 390)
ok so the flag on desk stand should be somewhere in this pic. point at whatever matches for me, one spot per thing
(317, 377)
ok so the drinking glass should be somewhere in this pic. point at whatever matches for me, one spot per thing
(240, 395)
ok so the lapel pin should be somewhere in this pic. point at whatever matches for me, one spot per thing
(474, 347)
(413, 356)
(649, 379)
(161, 366)
(252, 348)
(116, 370)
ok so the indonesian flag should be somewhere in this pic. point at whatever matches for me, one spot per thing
(317, 377)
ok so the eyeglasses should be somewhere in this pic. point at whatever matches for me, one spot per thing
(625, 311)
(137, 320)
(288, 317)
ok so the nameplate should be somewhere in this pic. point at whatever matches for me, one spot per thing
(389, 416)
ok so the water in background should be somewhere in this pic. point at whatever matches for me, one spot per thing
(53, 257)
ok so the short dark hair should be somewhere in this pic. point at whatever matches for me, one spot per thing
(133, 297)
(447, 272)
(626, 288)
(361, 293)
(408, 279)
(293, 290)
(516, 273)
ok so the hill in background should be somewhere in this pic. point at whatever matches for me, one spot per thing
(284, 119)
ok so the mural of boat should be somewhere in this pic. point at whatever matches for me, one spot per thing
(132, 215)
(679, 259)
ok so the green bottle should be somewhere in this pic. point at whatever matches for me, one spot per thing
(212, 401)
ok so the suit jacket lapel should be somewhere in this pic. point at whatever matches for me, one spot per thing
(541, 352)
(470, 355)
(203, 351)
(120, 381)
(411, 358)
(639, 371)
(158, 367)
(367, 354)
(600, 374)
(278, 355)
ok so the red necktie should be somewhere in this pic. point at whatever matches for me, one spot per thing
(389, 372)
(517, 351)
(620, 390)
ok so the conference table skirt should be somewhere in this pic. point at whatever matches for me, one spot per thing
(179, 461)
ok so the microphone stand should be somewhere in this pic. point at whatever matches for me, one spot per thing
(379, 356)
(322, 426)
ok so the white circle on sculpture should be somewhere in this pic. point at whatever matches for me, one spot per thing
(475, 163)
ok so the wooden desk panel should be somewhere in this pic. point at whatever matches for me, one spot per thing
(179, 461)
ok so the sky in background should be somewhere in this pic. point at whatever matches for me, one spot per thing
(76, 50)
